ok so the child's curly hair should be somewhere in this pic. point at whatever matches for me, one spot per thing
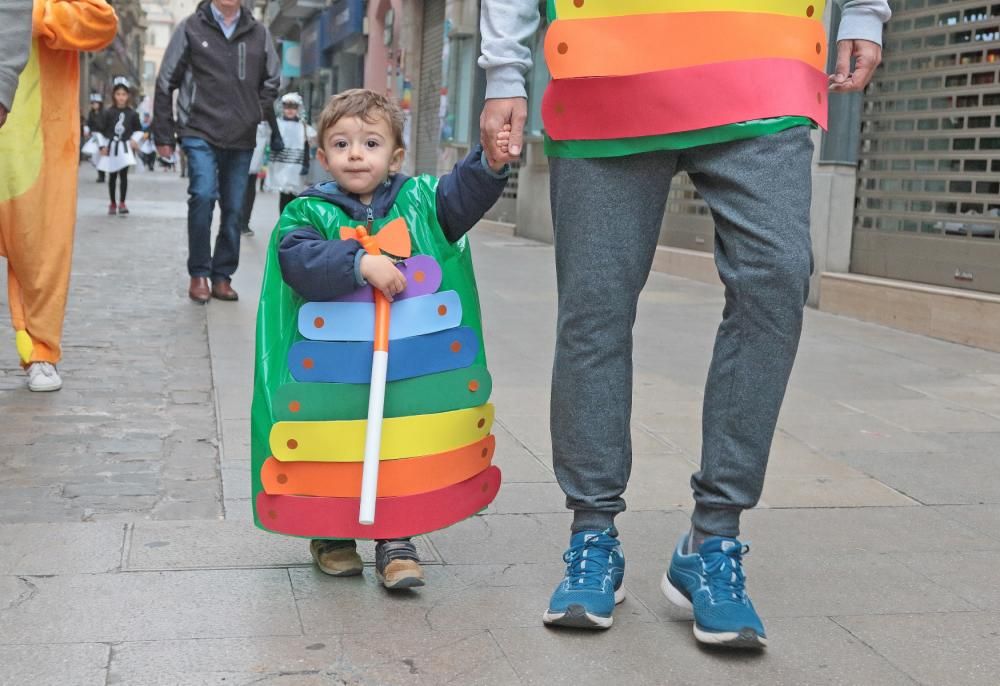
(363, 103)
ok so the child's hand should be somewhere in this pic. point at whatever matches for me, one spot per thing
(503, 143)
(381, 273)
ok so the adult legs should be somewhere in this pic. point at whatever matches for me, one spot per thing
(284, 199)
(234, 167)
(249, 196)
(607, 215)
(759, 192)
(203, 190)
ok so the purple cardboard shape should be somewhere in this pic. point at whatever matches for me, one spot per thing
(423, 277)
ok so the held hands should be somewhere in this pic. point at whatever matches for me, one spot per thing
(104, 151)
(501, 129)
(165, 151)
(867, 56)
(381, 273)
(503, 145)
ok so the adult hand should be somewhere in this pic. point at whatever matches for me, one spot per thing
(165, 151)
(104, 151)
(3, 115)
(868, 56)
(498, 112)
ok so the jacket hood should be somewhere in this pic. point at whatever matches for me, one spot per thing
(382, 201)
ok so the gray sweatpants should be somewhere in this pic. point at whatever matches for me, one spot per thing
(607, 215)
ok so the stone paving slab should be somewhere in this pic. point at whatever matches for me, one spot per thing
(942, 648)
(982, 520)
(969, 574)
(147, 606)
(66, 548)
(229, 545)
(418, 658)
(786, 586)
(456, 597)
(79, 664)
(779, 532)
(815, 652)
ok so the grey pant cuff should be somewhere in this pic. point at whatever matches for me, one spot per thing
(717, 521)
(592, 520)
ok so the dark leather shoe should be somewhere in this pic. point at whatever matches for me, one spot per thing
(222, 290)
(199, 290)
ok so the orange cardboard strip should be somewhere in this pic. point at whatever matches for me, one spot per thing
(683, 99)
(620, 46)
(395, 477)
(592, 9)
(410, 515)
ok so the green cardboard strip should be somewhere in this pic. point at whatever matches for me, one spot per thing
(453, 390)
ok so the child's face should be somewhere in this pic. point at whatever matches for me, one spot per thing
(291, 111)
(360, 155)
(121, 98)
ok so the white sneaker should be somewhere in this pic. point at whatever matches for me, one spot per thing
(42, 376)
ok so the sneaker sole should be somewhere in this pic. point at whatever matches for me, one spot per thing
(577, 617)
(43, 389)
(401, 583)
(747, 638)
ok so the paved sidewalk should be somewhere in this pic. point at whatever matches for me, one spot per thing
(127, 557)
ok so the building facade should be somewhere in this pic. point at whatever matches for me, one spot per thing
(124, 57)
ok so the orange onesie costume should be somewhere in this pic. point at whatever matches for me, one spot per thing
(39, 155)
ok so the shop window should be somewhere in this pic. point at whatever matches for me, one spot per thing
(461, 72)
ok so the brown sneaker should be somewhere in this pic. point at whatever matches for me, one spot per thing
(397, 565)
(199, 290)
(222, 290)
(336, 558)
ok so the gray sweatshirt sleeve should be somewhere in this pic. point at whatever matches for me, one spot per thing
(506, 27)
(15, 41)
(863, 19)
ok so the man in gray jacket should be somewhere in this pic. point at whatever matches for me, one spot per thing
(15, 41)
(226, 68)
(621, 117)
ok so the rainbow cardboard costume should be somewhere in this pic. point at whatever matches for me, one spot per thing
(313, 366)
(39, 154)
(724, 70)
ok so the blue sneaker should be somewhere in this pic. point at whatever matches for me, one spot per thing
(587, 595)
(712, 584)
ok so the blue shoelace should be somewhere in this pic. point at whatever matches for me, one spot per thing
(726, 580)
(587, 562)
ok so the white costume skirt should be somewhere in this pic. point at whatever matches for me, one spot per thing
(115, 163)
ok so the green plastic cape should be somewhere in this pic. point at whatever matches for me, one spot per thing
(277, 313)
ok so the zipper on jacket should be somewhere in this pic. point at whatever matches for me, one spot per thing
(371, 217)
(242, 49)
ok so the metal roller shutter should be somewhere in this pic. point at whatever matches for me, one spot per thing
(928, 203)
(428, 127)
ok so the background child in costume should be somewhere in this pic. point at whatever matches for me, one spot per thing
(361, 146)
(38, 178)
(289, 167)
(119, 137)
(92, 147)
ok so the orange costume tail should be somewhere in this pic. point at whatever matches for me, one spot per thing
(38, 168)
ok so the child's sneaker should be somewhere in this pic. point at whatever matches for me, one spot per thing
(587, 595)
(336, 557)
(112, 209)
(397, 565)
(122, 210)
(712, 584)
(42, 377)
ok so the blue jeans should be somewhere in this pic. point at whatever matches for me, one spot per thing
(214, 174)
